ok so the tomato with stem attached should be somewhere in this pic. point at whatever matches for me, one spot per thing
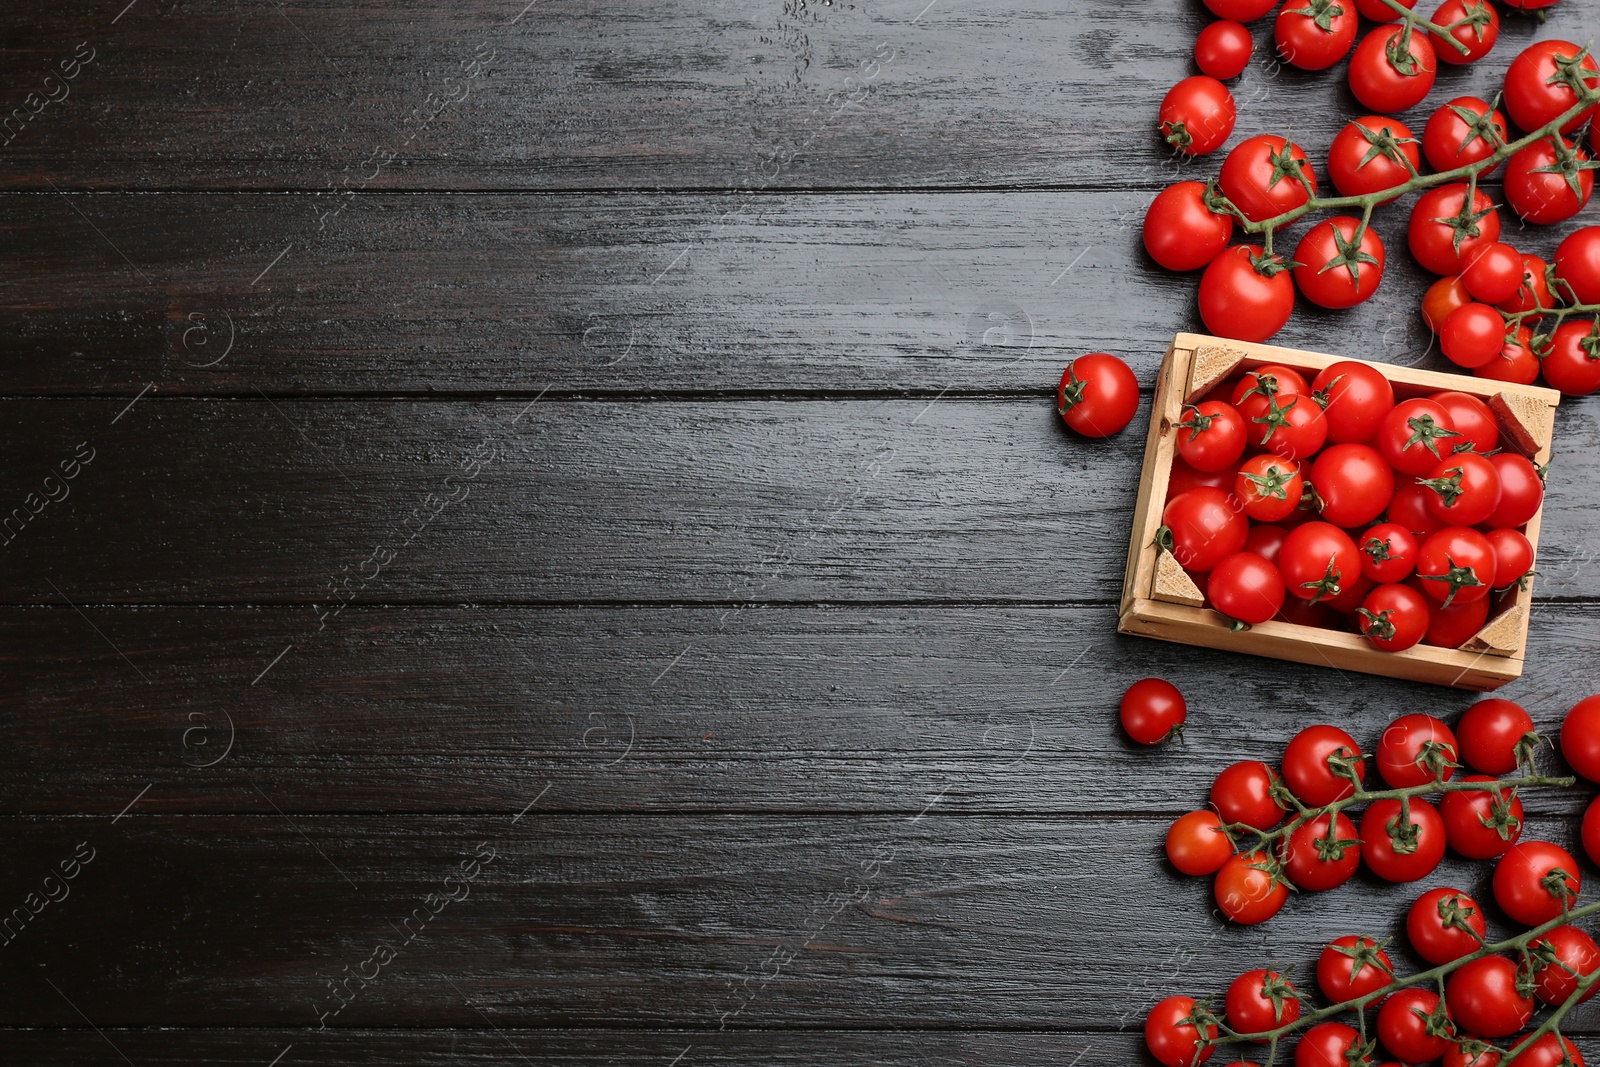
(1153, 711)
(1416, 435)
(1475, 24)
(1098, 395)
(1388, 553)
(1567, 955)
(1336, 268)
(1211, 436)
(1248, 888)
(1416, 749)
(1181, 232)
(1572, 362)
(1445, 924)
(1443, 228)
(1463, 131)
(1536, 881)
(1246, 294)
(1269, 487)
(1322, 853)
(1471, 418)
(1243, 793)
(1550, 1050)
(1373, 154)
(1402, 841)
(1352, 967)
(1197, 115)
(1266, 175)
(1484, 999)
(1260, 1001)
(1331, 1044)
(1203, 526)
(1392, 69)
(1548, 181)
(1515, 363)
(1513, 556)
(1481, 824)
(1196, 843)
(1414, 1025)
(1223, 49)
(1293, 427)
(1355, 397)
(1318, 561)
(1316, 34)
(1533, 296)
(1321, 764)
(1496, 735)
(1353, 482)
(1456, 565)
(1540, 83)
(1176, 1035)
(1466, 489)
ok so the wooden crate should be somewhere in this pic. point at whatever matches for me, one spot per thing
(1159, 599)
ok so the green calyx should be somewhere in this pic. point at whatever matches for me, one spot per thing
(1268, 265)
(1448, 486)
(1321, 12)
(1571, 72)
(1399, 54)
(1458, 578)
(1558, 883)
(1363, 954)
(1273, 484)
(1377, 548)
(1383, 142)
(1464, 223)
(1404, 835)
(1377, 625)
(1478, 16)
(1480, 125)
(1276, 988)
(1177, 134)
(1426, 432)
(1453, 911)
(1437, 758)
(1350, 255)
(1071, 393)
(1325, 587)
(1500, 818)
(1285, 165)
(1196, 423)
(1277, 416)
(1568, 163)
(1332, 849)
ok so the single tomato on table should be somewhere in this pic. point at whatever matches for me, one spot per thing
(1098, 395)
(1197, 115)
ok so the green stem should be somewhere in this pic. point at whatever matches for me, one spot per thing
(1442, 32)
(1553, 1023)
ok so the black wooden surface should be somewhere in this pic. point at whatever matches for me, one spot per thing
(631, 456)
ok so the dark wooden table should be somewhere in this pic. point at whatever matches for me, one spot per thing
(569, 555)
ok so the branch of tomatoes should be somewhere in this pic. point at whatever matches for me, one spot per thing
(1442, 33)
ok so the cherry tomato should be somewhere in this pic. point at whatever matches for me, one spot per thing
(1591, 830)
(1211, 435)
(1456, 564)
(1521, 490)
(1454, 625)
(1533, 882)
(1416, 435)
(1183, 478)
(1394, 617)
(1577, 263)
(1243, 794)
(1572, 364)
(1463, 131)
(1355, 398)
(1180, 232)
(1515, 363)
(1413, 1025)
(1392, 69)
(1269, 487)
(1316, 36)
(1466, 489)
(1260, 1000)
(1098, 395)
(1549, 1050)
(1245, 587)
(1197, 115)
(1172, 1033)
(1471, 418)
(1416, 749)
(1351, 967)
(1490, 733)
(1478, 29)
(1580, 738)
(1223, 49)
(1309, 760)
(1402, 850)
(1388, 553)
(1318, 561)
(1317, 858)
(1336, 270)
(1304, 613)
(1246, 295)
(1206, 527)
(1472, 335)
(1513, 556)
(1330, 1045)
(1240, 10)
(1256, 387)
(1576, 956)
(1533, 292)
(1493, 272)
(1537, 91)
(1265, 540)
(1372, 154)
(1409, 507)
(1196, 844)
(1265, 176)
(1443, 231)
(1354, 483)
(1441, 926)
(1248, 890)
(1545, 184)
(1481, 824)
(1153, 711)
(1483, 997)
(1378, 11)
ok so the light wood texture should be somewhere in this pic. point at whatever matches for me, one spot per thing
(1502, 635)
(1172, 584)
(1525, 421)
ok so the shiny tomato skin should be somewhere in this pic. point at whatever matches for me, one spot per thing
(1443, 296)
(1472, 335)
(1416, 435)
(1355, 398)
(1318, 561)
(1256, 388)
(1378, 84)
(1269, 487)
(1555, 983)
(1304, 44)
(1541, 194)
(1549, 1050)
(1489, 733)
(1197, 115)
(1344, 285)
(1206, 527)
(1242, 793)
(1259, 1001)
(1515, 363)
(1521, 490)
(1409, 508)
(1212, 435)
(1456, 565)
(1533, 292)
(1453, 626)
(1223, 49)
(1354, 482)
(1265, 540)
(1483, 998)
(1172, 1041)
(1577, 262)
(1246, 892)
(1451, 139)
(1238, 301)
(1436, 942)
(1153, 711)
(1330, 1044)
(1478, 39)
(1369, 156)
(1591, 830)
(1260, 187)
(1196, 844)
(1388, 553)
(1533, 94)
(1403, 1025)
(1294, 428)
(1180, 232)
(1572, 364)
(1378, 11)
(1471, 418)
(1378, 848)
(1493, 272)
(1513, 556)
(1466, 489)
(1432, 241)
(1416, 749)
(1317, 859)
(1580, 738)
(1519, 879)
(1245, 587)
(1306, 769)
(1098, 395)
(1184, 478)
(1351, 967)
(1240, 10)
(1394, 617)
(1474, 820)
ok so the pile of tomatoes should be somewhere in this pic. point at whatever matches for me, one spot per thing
(1328, 503)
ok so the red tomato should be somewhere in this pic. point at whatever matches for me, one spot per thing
(1265, 539)
(1317, 858)
(1549, 1050)
(1456, 564)
(1513, 556)
(1471, 418)
(1180, 232)
(1416, 749)
(1246, 588)
(1454, 625)
(1243, 794)
(1215, 438)
(1266, 176)
(1269, 487)
(1537, 91)
(1330, 1045)
(1196, 844)
(1316, 558)
(1576, 956)
(1440, 216)
(1394, 617)
(1464, 131)
(1534, 882)
(1494, 735)
(1533, 292)
(1304, 613)
(1477, 27)
(1293, 427)
(1173, 1030)
(1580, 738)
(1443, 297)
(1572, 364)
(1205, 526)
(1521, 490)
(1466, 489)
(1248, 889)
(1472, 335)
(1515, 363)
(1388, 553)
(1483, 997)
(1259, 1001)
(1392, 69)
(1153, 711)
(1351, 967)
(1354, 483)
(1577, 263)
(1197, 115)
(1256, 387)
(1402, 850)
(1184, 477)
(1316, 36)
(1098, 395)
(1246, 295)
(1372, 154)
(1416, 435)
(1481, 824)
(1309, 762)
(1351, 597)
(1414, 1026)
(1240, 10)
(1355, 398)
(1336, 270)
(1223, 49)
(1378, 11)
(1441, 926)
(1545, 184)
(1409, 508)
(1493, 272)
(1591, 830)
